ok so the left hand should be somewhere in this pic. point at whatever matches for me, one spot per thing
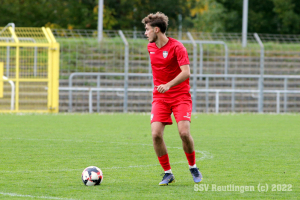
(162, 88)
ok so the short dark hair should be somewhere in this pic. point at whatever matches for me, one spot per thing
(158, 19)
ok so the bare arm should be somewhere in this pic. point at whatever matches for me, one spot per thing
(182, 76)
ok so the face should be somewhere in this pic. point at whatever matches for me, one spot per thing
(150, 33)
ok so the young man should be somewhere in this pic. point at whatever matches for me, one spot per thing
(171, 72)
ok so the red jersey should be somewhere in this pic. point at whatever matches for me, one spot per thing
(166, 62)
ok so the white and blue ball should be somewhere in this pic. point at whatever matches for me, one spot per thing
(92, 176)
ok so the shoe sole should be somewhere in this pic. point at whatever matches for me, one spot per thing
(165, 184)
(199, 181)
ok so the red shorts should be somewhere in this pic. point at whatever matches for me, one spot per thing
(162, 110)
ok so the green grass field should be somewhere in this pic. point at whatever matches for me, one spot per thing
(42, 156)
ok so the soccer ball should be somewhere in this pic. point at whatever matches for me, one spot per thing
(92, 176)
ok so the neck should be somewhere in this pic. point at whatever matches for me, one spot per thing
(161, 41)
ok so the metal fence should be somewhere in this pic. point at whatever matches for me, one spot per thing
(261, 77)
(209, 53)
(82, 52)
(123, 87)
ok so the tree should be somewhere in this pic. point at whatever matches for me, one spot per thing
(129, 14)
(268, 16)
(288, 16)
(207, 16)
(83, 14)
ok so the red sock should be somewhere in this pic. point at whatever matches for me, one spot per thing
(191, 158)
(164, 162)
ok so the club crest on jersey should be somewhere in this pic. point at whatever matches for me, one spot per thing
(165, 54)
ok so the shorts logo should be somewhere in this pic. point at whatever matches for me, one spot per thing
(151, 116)
(151, 52)
(165, 54)
(188, 115)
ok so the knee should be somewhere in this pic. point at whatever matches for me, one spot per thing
(156, 136)
(184, 135)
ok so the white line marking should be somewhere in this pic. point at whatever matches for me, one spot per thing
(205, 155)
(30, 196)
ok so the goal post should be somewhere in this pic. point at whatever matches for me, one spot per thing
(30, 62)
(1, 79)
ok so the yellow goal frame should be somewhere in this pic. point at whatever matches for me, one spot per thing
(45, 39)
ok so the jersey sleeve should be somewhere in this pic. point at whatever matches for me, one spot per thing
(182, 55)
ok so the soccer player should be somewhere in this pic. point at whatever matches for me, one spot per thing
(171, 72)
